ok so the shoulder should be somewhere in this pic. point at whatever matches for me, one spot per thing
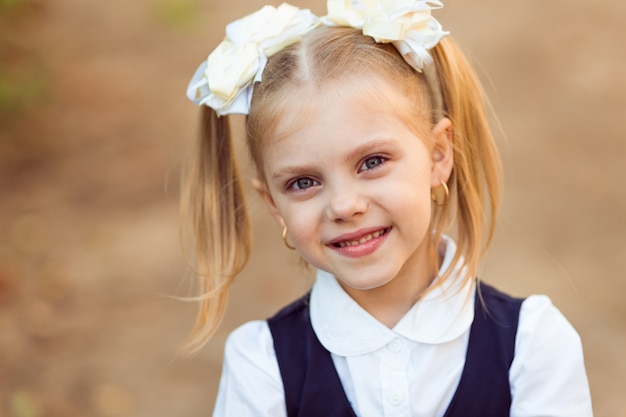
(541, 320)
(548, 374)
(251, 382)
(251, 341)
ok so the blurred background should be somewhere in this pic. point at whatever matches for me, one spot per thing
(94, 125)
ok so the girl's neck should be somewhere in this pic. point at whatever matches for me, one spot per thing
(390, 302)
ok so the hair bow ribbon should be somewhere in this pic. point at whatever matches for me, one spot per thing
(224, 81)
(409, 25)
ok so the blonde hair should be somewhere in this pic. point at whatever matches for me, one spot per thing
(212, 200)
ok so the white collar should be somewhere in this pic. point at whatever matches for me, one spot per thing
(346, 329)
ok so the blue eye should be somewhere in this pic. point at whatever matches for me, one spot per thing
(371, 162)
(303, 183)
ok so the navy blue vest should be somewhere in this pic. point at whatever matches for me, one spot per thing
(313, 388)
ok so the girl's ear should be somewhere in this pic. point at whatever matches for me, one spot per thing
(442, 152)
(261, 188)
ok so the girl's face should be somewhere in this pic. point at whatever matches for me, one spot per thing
(352, 185)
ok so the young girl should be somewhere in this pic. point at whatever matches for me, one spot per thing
(368, 131)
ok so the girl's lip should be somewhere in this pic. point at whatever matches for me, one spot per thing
(349, 244)
(354, 236)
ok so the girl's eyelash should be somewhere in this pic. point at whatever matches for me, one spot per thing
(307, 182)
(377, 159)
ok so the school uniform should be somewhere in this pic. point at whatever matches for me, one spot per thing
(438, 361)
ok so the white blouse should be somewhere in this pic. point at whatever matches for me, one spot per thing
(414, 368)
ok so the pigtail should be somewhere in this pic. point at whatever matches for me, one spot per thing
(477, 166)
(215, 224)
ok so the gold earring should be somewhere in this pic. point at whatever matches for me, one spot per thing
(285, 239)
(437, 197)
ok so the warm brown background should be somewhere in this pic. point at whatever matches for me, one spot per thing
(93, 126)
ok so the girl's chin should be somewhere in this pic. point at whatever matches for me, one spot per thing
(363, 285)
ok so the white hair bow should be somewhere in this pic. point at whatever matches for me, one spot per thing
(408, 24)
(226, 80)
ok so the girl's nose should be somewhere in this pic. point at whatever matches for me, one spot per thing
(346, 203)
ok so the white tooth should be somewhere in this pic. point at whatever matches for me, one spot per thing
(362, 240)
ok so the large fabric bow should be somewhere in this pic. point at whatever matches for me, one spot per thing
(226, 80)
(408, 24)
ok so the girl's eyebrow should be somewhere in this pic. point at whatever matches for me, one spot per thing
(374, 145)
(289, 171)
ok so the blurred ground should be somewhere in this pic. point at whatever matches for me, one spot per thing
(94, 124)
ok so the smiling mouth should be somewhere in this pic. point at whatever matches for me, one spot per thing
(361, 240)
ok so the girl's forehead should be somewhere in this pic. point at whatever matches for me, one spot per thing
(371, 93)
